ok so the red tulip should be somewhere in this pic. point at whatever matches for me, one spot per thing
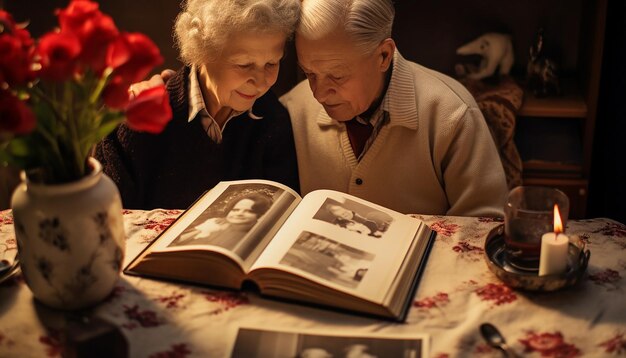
(94, 30)
(150, 111)
(6, 20)
(115, 94)
(59, 56)
(73, 18)
(16, 52)
(15, 116)
(98, 34)
(132, 56)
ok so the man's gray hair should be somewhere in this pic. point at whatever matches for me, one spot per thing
(203, 27)
(367, 22)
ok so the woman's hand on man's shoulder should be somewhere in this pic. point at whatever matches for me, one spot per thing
(156, 80)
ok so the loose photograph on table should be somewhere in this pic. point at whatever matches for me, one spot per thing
(355, 217)
(257, 343)
(328, 259)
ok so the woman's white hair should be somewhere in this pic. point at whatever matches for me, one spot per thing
(367, 22)
(203, 27)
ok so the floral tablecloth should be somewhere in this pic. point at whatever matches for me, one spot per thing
(457, 293)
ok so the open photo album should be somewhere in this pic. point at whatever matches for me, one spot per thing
(328, 248)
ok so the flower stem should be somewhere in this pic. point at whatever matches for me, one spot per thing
(79, 158)
(95, 95)
(53, 145)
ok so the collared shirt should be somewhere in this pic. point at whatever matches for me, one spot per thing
(377, 121)
(392, 110)
(197, 109)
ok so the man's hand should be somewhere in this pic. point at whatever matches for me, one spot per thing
(156, 80)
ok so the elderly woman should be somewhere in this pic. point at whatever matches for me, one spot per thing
(226, 124)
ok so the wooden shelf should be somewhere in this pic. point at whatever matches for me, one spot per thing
(570, 104)
(550, 147)
(535, 169)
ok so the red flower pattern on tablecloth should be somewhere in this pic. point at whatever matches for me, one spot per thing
(9, 244)
(229, 300)
(117, 292)
(144, 319)
(176, 351)
(442, 355)
(549, 345)
(606, 277)
(158, 226)
(439, 300)
(6, 219)
(612, 229)
(498, 293)
(616, 345)
(464, 246)
(53, 344)
(172, 300)
(5, 341)
(443, 228)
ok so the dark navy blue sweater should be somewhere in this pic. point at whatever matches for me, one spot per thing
(172, 169)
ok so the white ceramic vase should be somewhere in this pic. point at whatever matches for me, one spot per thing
(70, 238)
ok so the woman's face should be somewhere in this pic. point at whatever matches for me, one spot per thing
(245, 70)
(242, 213)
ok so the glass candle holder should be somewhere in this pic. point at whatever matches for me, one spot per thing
(528, 214)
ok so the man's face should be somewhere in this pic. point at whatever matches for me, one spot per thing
(246, 69)
(242, 213)
(343, 80)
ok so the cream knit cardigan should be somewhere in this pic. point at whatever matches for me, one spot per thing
(435, 156)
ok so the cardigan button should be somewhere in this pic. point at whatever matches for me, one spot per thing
(358, 181)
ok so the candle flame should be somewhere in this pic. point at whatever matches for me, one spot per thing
(558, 224)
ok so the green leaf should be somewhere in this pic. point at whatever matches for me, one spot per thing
(105, 129)
(19, 147)
(110, 120)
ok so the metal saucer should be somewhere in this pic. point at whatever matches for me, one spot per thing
(578, 259)
(10, 270)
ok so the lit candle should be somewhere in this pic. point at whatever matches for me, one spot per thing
(554, 246)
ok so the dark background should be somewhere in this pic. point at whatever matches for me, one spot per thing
(428, 32)
(607, 186)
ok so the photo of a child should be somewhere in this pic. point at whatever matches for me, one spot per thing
(354, 217)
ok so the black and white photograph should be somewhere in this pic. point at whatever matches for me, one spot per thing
(328, 259)
(229, 221)
(354, 217)
(257, 343)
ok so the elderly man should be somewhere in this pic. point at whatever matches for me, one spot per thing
(382, 128)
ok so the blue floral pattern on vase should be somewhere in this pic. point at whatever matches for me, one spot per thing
(51, 231)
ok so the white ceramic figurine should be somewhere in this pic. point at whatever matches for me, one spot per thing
(497, 52)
